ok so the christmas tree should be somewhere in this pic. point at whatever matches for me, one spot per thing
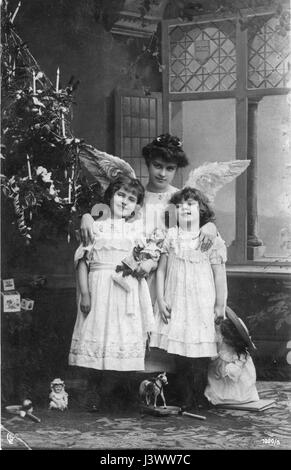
(41, 173)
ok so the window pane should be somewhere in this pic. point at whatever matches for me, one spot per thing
(202, 57)
(207, 138)
(269, 54)
(274, 176)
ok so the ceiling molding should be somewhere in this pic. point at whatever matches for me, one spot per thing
(130, 21)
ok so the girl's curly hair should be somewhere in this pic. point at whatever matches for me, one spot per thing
(232, 337)
(168, 148)
(206, 212)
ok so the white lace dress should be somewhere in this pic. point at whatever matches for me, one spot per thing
(231, 379)
(154, 217)
(113, 335)
(190, 292)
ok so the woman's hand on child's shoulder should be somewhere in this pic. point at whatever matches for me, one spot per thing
(85, 303)
(165, 310)
(208, 233)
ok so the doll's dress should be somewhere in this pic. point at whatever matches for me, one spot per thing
(190, 293)
(113, 335)
(231, 378)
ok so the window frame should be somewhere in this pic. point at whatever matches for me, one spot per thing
(237, 252)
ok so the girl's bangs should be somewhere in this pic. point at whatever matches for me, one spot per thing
(130, 188)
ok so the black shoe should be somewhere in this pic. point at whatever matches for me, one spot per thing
(93, 400)
(202, 403)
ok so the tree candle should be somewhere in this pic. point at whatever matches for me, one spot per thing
(28, 167)
(58, 80)
(63, 124)
(33, 82)
(16, 11)
(70, 191)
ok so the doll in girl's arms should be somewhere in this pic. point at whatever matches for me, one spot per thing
(148, 249)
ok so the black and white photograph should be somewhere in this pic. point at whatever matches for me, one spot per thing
(145, 227)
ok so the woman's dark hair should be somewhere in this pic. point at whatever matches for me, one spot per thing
(206, 212)
(132, 185)
(232, 337)
(166, 147)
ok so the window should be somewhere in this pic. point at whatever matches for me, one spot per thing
(225, 93)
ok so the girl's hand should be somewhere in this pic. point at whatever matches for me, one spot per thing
(86, 229)
(85, 303)
(218, 314)
(165, 310)
(208, 233)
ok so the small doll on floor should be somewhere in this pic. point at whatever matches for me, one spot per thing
(58, 397)
(232, 374)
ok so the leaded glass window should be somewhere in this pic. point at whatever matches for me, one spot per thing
(268, 55)
(202, 57)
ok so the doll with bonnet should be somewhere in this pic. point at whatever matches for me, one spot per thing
(58, 396)
(232, 374)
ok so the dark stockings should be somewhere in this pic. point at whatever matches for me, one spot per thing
(191, 380)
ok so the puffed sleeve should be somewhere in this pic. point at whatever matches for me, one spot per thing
(218, 252)
(82, 252)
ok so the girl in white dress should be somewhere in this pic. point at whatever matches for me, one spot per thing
(112, 324)
(163, 157)
(191, 287)
(232, 374)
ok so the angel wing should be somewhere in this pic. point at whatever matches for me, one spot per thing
(212, 176)
(102, 167)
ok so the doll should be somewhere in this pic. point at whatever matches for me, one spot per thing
(148, 249)
(232, 374)
(58, 397)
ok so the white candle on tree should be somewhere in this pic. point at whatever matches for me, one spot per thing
(16, 11)
(63, 124)
(28, 167)
(70, 191)
(58, 80)
(33, 82)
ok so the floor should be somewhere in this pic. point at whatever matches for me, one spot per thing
(222, 429)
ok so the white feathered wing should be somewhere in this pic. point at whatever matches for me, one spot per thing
(212, 176)
(102, 167)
